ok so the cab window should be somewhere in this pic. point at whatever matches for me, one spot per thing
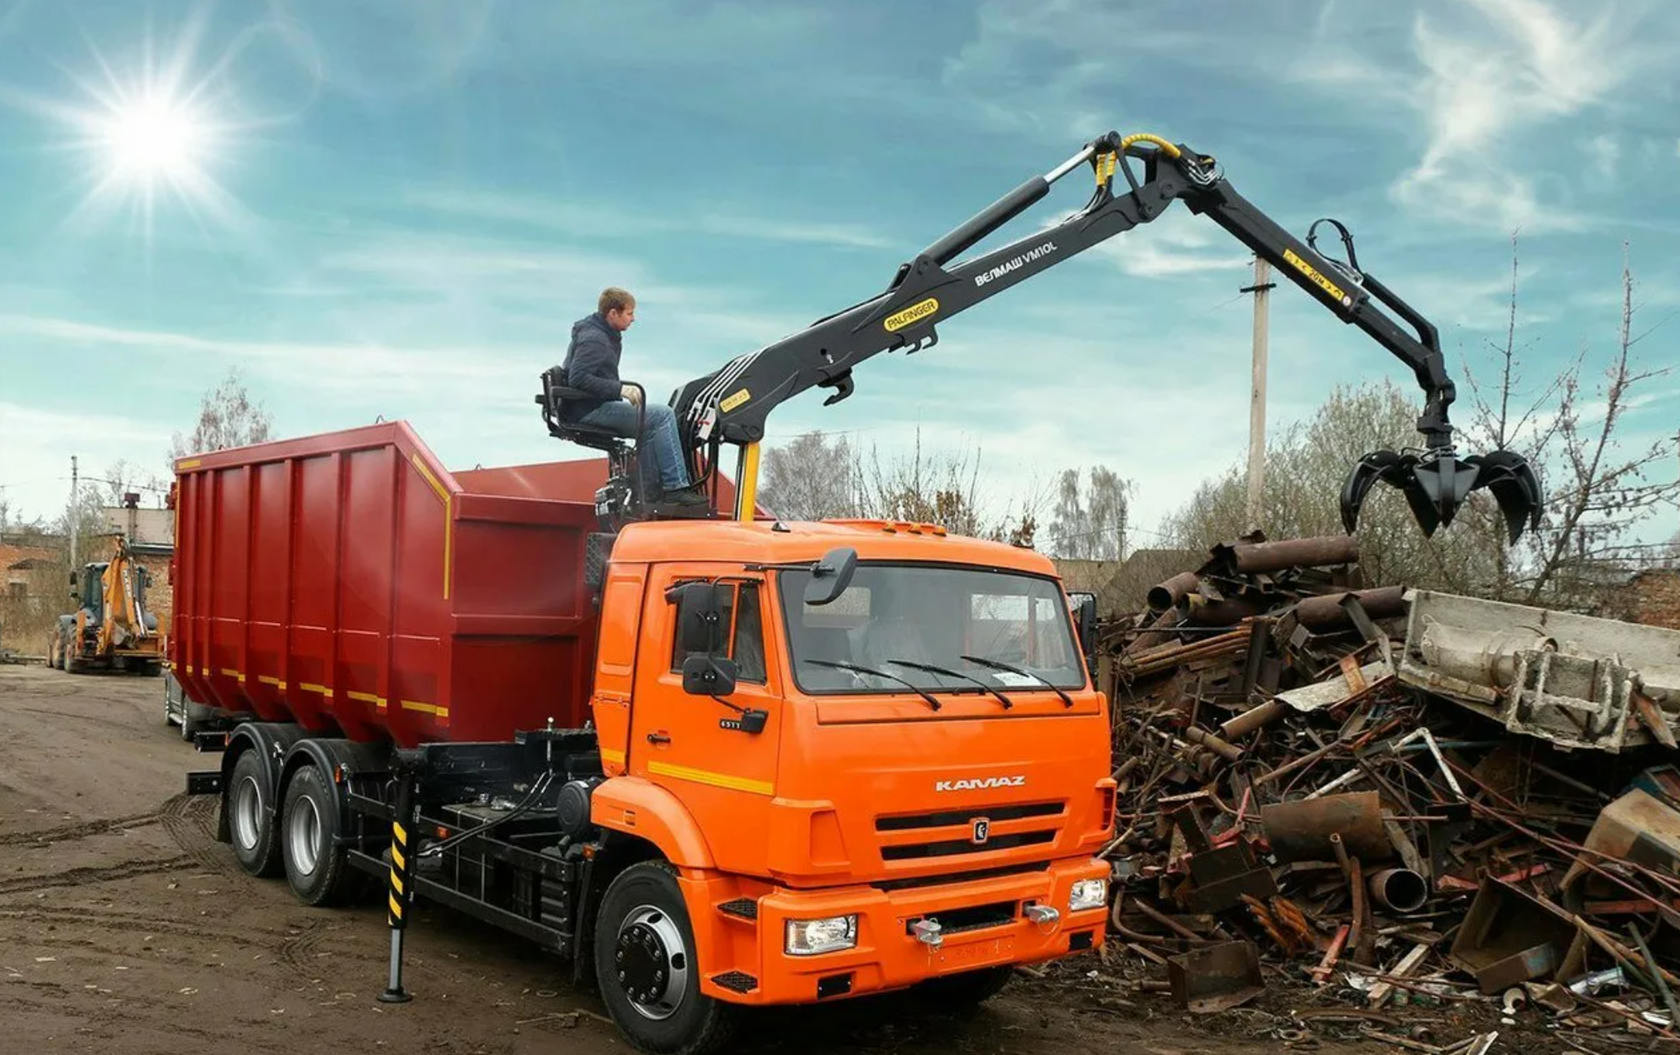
(743, 614)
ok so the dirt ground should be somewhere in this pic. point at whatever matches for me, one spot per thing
(124, 926)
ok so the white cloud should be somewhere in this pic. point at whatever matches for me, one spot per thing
(1176, 243)
(1525, 68)
(600, 220)
(36, 444)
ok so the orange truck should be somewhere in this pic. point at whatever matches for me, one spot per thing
(722, 760)
(715, 762)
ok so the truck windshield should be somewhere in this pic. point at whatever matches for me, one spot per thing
(1006, 631)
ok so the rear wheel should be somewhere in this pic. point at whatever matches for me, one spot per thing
(647, 970)
(250, 820)
(318, 870)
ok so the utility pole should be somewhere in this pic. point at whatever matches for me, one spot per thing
(1257, 394)
(75, 512)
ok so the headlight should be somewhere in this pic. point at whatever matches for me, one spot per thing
(1088, 894)
(808, 937)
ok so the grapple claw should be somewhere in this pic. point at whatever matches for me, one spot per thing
(1437, 482)
(1515, 487)
(1378, 465)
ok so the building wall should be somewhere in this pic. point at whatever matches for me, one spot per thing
(159, 597)
(33, 588)
(1653, 598)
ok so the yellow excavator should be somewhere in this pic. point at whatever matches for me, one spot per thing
(110, 628)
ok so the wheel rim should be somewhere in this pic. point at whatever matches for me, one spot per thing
(247, 813)
(652, 962)
(304, 835)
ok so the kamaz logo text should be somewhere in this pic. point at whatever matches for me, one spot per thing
(980, 783)
(1025, 258)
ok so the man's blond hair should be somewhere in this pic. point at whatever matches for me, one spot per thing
(615, 299)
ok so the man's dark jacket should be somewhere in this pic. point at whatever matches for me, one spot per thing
(592, 365)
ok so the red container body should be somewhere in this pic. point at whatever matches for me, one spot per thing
(349, 583)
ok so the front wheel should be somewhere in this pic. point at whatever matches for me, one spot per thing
(647, 969)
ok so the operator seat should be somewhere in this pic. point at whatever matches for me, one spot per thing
(554, 392)
(623, 465)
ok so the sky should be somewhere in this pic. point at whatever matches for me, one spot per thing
(397, 208)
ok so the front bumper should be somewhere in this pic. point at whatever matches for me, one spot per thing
(983, 921)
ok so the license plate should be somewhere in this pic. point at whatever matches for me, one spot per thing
(975, 953)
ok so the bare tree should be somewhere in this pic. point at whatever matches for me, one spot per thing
(815, 477)
(1091, 522)
(1601, 485)
(812, 477)
(123, 477)
(227, 417)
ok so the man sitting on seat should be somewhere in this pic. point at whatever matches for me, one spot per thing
(592, 366)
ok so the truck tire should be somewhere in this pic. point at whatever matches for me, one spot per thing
(961, 992)
(72, 663)
(255, 836)
(647, 970)
(316, 867)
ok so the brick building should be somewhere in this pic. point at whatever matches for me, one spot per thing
(33, 587)
(1651, 597)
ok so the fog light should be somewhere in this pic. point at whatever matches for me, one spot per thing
(808, 937)
(1088, 894)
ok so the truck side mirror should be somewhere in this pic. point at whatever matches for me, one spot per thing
(831, 575)
(1084, 606)
(699, 616)
(708, 675)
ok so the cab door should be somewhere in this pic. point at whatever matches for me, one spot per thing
(693, 745)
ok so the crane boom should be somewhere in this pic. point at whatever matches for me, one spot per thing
(731, 404)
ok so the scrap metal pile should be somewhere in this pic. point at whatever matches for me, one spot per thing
(1336, 803)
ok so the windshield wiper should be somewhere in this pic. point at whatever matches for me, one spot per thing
(923, 693)
(931, 669)
(995, 665)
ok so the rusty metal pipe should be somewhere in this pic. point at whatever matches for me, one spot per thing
(1325, 610)
(1295, 553)
(1163, 596)
(1399, 889)
(1253, 719)
(1301, 830)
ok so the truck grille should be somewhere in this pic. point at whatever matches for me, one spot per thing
(951, 833)
(953, 847)
(947, 818)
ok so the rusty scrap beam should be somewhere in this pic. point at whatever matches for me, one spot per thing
(1325, 610)
(1249, 557)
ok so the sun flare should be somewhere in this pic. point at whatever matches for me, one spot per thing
(156, 138)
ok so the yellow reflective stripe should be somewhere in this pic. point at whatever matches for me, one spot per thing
(269, 680)
(398, 859)
(367, 697)
(396, 882)
(610, 755)
(426, 708)
(448, 519)
(309, 686)
(400, 833)
(717, 780)
(396, 907)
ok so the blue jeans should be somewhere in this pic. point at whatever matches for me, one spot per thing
(658, 449)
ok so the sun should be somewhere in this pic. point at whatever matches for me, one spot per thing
(156, 139)
(147, 136)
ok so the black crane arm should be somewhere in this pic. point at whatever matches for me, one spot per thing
(730, 405)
